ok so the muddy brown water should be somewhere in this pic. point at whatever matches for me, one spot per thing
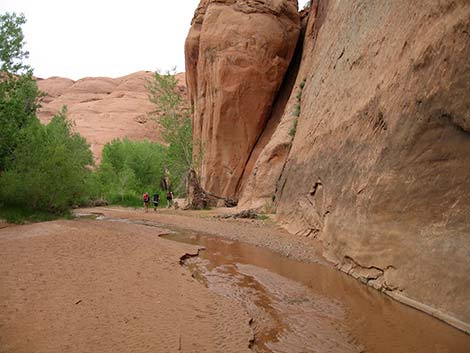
(298, 307)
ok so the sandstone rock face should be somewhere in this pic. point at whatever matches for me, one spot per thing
(237, 53)
(259, 182)
(379, 168)
(103, 108)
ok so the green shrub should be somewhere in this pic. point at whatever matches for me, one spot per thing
(128, 169)
(49, 169)
(135, 200)
(293, 129)
(21, 215)
(296, 110)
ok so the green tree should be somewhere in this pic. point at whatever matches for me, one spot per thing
(107, 178)
(49, 169)
(42, 167)
(129, 168)
(174, 118)
(18, 90)
(12, 53)
(126, 182)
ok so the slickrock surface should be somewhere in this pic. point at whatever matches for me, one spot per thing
(80, 286)
(104, 108)
(237, 53)
(267, 161)
(379, 167)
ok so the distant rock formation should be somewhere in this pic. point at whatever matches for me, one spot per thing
(104, 108)
(367, 144)
(237, 53)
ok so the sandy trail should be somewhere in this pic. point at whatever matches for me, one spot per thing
(84, 286)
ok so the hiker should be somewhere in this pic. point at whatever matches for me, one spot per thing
(169, 198)
(146, 198)
(156, 201)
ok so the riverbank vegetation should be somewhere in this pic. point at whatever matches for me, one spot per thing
(173, 115)
(128, 168)
(45, 170)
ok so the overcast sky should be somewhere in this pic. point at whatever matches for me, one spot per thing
(109, 38)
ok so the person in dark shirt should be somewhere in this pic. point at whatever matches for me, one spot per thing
(156, 201)
(169, 198)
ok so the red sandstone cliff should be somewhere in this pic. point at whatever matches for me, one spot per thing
(104, 108)
(378, 167)
(237, 53)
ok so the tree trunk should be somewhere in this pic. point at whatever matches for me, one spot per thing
(197, 197)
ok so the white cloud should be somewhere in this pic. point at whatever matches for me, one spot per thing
(104, 37)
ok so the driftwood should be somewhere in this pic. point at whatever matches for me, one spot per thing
(199, 199)
(228, 202)
(250, 214)
(98, 203)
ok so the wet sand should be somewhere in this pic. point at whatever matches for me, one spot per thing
(88, 286)
(264, 234)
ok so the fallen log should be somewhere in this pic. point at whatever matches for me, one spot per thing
(228, 202)
(198, 198)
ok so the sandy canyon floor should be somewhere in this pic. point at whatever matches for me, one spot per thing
(128, 282)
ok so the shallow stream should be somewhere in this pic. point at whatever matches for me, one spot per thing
(298, 307)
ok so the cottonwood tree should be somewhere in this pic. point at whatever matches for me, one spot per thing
(18, 90)
(49, 168)
(130, 167)
(173, 115)
(43, 167)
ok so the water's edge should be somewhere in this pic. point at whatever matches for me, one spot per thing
(463, 327)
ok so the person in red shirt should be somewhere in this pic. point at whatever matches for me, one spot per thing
(146, 198)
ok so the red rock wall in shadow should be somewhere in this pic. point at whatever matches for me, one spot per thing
(267, 161)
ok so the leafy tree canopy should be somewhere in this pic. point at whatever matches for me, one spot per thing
(18, 90)
(173, 115)
(49, 169)
(12, 53)
(128, 168)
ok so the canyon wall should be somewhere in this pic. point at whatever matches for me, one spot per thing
(237, 53)
(366, 145)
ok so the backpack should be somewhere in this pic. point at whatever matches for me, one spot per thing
(168, 195)
(146, 197)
